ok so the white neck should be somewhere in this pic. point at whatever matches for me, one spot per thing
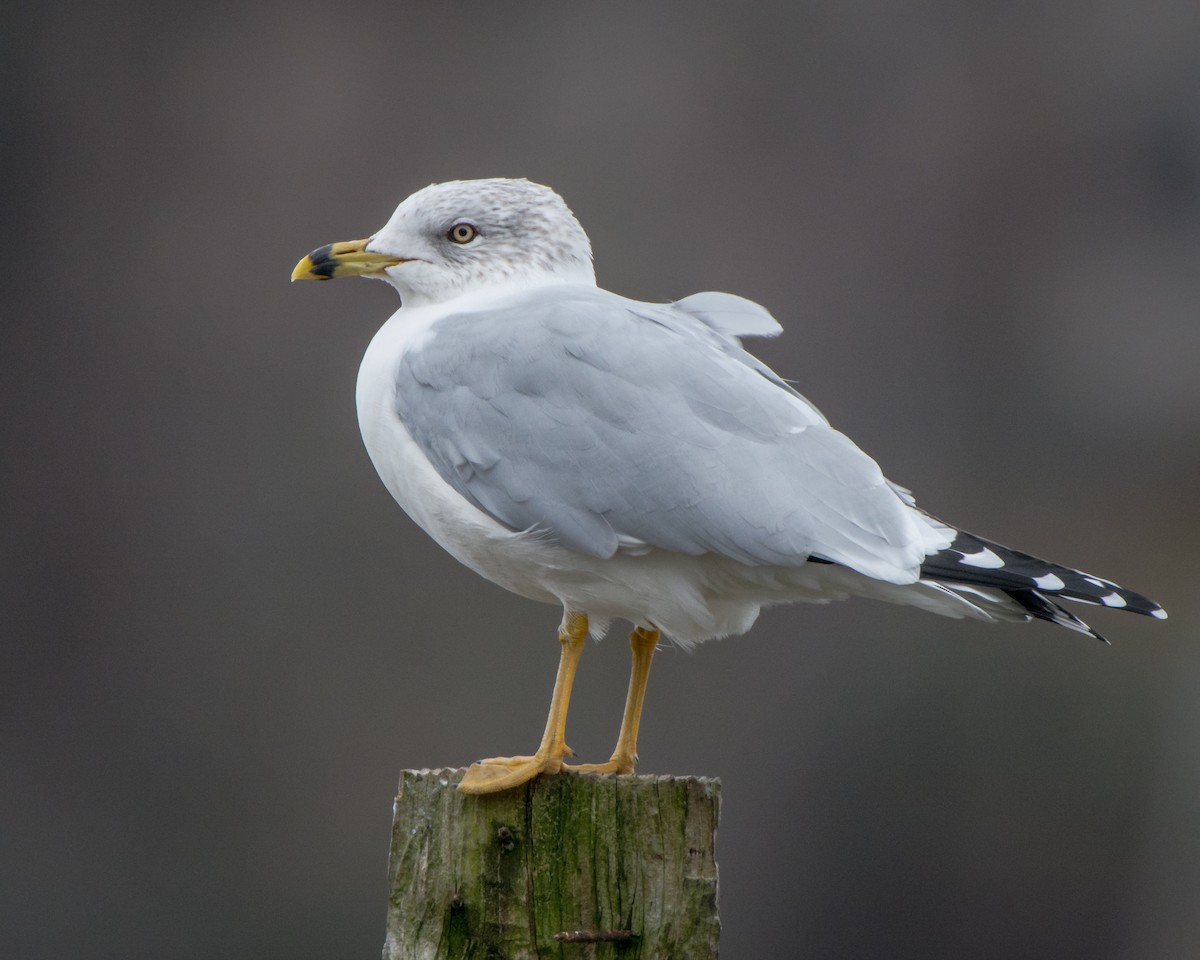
(416, 291)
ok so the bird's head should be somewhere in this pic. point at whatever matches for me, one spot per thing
(452, 238)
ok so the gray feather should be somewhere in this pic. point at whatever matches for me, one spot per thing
(597, 421)
(730, 314)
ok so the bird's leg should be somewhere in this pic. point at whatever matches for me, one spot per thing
(624, 758)
(503, 773)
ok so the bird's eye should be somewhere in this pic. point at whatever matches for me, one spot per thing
(461, 233)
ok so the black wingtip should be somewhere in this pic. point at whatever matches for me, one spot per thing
(979, 562)
(1040, 607)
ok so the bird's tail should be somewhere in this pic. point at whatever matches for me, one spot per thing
(977, 570)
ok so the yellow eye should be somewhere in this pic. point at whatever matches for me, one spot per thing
(461, 233)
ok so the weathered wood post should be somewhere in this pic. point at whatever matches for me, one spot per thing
(571, 866)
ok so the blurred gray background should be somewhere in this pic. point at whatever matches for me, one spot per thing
(980, 226)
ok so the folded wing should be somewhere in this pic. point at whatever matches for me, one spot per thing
(604, 423)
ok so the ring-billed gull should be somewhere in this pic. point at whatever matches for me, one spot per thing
(631, 460)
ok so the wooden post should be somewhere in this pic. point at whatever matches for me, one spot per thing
(570, 866)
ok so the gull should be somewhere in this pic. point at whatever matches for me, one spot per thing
(630, 460)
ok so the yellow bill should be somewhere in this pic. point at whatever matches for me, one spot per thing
(346, 259)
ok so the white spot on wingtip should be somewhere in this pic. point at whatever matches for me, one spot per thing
(984, 558)
(1160, 613)
(1049, 582)
(1113, 600)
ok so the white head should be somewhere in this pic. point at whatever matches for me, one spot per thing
(452, 238)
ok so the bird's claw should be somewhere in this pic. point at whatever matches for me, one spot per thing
(612, 766)
(504, 773)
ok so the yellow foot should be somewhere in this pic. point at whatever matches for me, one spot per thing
(504, 773)
(613, 766)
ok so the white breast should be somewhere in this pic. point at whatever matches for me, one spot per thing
(468, 534)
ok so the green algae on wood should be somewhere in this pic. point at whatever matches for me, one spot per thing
(570, 866)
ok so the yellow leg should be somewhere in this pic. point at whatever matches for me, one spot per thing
(503, 773)
(624, 758)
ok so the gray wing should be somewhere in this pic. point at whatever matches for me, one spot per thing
(730, 314)
(599, 421)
